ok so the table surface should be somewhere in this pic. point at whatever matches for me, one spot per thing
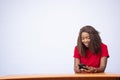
(60, 75)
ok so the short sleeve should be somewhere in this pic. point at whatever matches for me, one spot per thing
(76, 53)
(104, 51)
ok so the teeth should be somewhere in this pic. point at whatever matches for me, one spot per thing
(86, 44)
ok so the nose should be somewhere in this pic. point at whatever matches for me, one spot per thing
(85, 40)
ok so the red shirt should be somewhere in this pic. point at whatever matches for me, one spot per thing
(91, 59)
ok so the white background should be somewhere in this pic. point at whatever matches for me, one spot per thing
(39, 36)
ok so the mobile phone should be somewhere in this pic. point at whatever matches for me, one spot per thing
(82, 66)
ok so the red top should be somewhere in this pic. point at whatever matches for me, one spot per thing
(92, 59)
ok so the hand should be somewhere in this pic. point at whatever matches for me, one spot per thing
(77, 70)
(83, 70)
(90, 69)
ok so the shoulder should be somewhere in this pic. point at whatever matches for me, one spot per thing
(76, 46)
(76, 52)
(104, 50)
(103, 45)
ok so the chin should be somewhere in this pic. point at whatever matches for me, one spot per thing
(86, 46)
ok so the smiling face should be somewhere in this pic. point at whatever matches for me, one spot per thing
(85, 38)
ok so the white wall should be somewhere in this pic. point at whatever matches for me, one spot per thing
(38, 36)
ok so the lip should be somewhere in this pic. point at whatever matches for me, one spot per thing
(86, 44)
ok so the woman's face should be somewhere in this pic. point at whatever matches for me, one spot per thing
(85, 38)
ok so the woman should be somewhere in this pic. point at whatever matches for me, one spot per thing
(90, 51)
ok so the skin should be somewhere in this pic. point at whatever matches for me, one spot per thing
(86, 40)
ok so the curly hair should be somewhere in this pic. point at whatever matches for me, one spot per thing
(95, 40)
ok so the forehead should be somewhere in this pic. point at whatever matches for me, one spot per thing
(84, 34)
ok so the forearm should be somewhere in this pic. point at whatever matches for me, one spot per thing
(100, 69)
(103, 64)
(76, 67)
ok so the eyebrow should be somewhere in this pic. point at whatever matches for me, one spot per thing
(85, 37)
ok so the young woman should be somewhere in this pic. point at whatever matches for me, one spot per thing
(90, 51)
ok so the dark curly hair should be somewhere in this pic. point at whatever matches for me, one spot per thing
(95, 40)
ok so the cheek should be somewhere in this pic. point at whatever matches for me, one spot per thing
(82, 41)
(88, 40)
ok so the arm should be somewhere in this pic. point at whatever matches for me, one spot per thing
(76, 67)
(103, 63)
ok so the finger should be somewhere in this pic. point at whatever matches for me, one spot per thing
(88, 71)
(81, 69)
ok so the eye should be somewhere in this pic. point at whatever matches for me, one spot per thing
(85, 38)
(88, 37)
(82, 38)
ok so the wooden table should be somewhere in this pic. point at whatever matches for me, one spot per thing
(85, 76)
